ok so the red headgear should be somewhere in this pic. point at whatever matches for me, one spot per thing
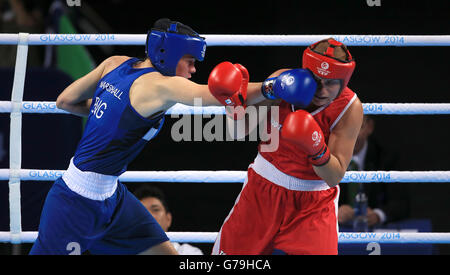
(326, 65)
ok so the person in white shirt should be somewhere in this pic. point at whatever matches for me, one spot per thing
(154, 200)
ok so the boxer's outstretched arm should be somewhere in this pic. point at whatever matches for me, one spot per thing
(255, 98)
(181, 90)
(254, 95)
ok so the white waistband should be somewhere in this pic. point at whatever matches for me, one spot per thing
(90, 185)
(268, 171)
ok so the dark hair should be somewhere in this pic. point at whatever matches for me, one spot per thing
(148, 191)
(340, 52)
(164, 24)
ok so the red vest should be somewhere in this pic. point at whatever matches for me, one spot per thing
(289, 158)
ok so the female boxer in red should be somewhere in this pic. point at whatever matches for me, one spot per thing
(289, 200)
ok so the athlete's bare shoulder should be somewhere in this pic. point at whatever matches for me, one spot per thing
(113, 62)
(116, 60)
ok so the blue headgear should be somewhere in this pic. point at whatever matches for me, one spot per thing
(165, 48)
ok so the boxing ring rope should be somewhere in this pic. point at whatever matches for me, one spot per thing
(17, 106)
(343, 237)
(49, 107)
(232, 39)
(225, 176)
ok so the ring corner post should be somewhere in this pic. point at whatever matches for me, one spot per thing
(15, 147)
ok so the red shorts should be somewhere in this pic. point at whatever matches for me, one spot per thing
(267, 216)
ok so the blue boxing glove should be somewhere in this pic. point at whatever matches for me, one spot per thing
(296, 86)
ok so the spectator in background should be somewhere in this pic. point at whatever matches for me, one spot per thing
(387, 202)
(154, 200)
(22, 16)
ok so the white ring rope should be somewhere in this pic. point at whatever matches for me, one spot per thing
(234, 40)
(49, 107)
(343, 237)
(236, 176)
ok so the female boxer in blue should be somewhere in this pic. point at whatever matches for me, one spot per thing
(125, 100)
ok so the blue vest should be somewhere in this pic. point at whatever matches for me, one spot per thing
(115, 133)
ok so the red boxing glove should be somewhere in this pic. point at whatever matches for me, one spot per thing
(228, 83)
(300, 128)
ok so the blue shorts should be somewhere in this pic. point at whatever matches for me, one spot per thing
(72, 224)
